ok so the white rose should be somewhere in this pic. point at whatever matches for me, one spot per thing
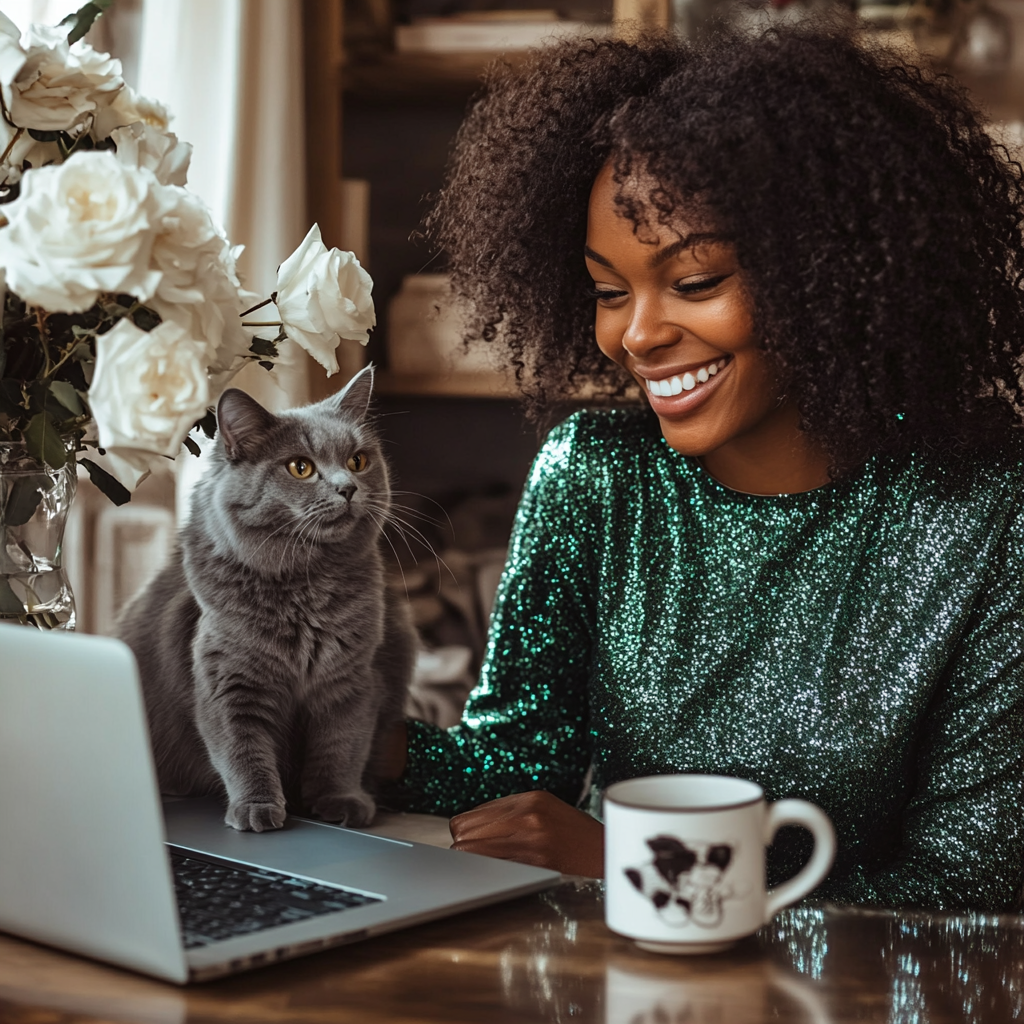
(322, 297)
(128, 107)
(140, 145)
(23, 153)
(199, 287)
(60, 87)
(148, 388)
(78, 229)
(12, 56)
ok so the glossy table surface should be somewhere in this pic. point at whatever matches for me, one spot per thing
(549, 957)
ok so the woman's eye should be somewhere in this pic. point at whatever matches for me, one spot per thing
(604, 294)
(358, 462)
(301, 469)
(703, 284)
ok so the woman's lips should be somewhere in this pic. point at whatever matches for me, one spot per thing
(687, 401)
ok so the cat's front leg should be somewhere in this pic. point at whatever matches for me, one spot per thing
(239, 720)
(337, 748)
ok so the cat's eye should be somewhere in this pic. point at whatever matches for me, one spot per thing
(358, 462)
(301, 469)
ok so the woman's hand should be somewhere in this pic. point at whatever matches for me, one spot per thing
(533, 828)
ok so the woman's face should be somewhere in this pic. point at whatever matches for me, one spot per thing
(673, 311)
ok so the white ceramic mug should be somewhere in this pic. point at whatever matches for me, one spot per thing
(684, 860)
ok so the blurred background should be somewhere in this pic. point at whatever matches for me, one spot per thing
(343, 112)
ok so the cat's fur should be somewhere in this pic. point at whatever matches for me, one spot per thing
(270, 650)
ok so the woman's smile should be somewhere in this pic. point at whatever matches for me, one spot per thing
(686, 385)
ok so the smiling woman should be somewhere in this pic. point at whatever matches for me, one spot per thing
(799, 561)
(678, 318)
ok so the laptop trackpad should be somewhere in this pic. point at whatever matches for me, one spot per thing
(301, 846)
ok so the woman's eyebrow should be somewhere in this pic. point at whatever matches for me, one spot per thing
(597, 257)
(689, 242)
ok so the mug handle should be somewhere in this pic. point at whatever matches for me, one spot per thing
(814, 819)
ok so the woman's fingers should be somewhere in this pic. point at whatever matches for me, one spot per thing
(533, 828)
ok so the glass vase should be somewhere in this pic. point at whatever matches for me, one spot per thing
(34, 505)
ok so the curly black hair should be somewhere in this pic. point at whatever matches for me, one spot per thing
(878, 224)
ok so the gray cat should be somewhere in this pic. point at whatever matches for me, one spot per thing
(270, 650)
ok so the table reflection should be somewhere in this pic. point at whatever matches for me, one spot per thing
(550, 958)
(820, 965)
(643, 993)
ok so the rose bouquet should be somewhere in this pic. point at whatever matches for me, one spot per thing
(123, 313)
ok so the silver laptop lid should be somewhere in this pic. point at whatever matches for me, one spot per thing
(87, 874)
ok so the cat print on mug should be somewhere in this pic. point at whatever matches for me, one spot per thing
(685, 882)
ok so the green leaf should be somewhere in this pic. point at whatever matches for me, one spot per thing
(24, 496)
(43, 441)
(263, 347)
(9, 603)
(145, 318)
(193, 448)
(81, 21)
(67, 396)
(41, 136)
(113, 310)
(208, 424)
(111, 487)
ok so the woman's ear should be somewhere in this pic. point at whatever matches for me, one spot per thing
(242, 424)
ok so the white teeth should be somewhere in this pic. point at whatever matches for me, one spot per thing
(677, 385)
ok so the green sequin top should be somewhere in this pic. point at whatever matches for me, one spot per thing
(860, 645)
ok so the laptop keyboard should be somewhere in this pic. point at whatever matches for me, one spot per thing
(217, 902)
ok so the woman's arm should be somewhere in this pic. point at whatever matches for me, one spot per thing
(526, 724)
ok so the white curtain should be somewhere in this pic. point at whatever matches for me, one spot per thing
(231, 73)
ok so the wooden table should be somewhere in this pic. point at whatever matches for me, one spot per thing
(549, 957)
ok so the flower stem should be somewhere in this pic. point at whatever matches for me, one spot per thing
(41, 327)
(10, 145)
(262, 323)
(260, 305)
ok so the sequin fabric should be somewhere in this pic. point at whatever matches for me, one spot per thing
(860, 645)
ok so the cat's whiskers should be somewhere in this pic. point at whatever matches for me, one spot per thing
(392, 518)
(294, 543)
(372, 515)
(273, 533)
(409, 510)
(416, 494)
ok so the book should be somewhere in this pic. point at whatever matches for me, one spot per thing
(490, 35)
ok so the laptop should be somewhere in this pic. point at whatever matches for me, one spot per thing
(92, 862)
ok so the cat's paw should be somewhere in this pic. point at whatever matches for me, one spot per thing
(253, 817)
(353, 810)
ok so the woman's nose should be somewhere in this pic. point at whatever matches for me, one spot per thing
(648, 328)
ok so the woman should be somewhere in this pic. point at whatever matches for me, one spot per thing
(801, 561)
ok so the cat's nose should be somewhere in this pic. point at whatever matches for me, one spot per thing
(347, 491)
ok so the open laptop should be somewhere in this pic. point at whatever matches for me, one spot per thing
(90, 861)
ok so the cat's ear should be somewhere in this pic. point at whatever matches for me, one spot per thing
(242, 423)
(355, 399)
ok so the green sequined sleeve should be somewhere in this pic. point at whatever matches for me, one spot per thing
(522, 726)
(963, 836)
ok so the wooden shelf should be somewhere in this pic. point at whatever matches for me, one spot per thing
(389, 76)
(453, 385)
